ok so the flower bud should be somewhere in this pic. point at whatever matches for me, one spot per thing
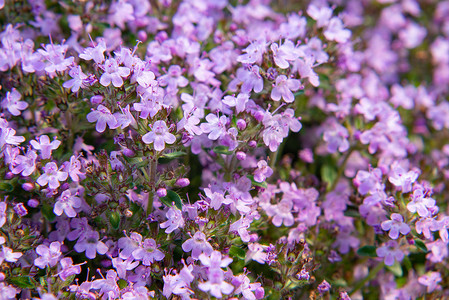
(241, 124)
(33, 203)
(240, 155)
(142, 35)
(258, 115)
(97, 99)
(161, 192)
(252, 144)
(28, 186)
(128, 152)
(182, 182)
(9, 175)
(259, 293)
(20, 209)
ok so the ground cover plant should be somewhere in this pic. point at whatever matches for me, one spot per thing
(206, 149)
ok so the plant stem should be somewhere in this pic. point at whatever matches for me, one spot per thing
(370, 276)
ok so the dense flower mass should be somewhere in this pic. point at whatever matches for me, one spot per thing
(224, 149)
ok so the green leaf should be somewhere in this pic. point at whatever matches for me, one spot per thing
(421, 246)
(367, 251)
(172, 197)
(255, 183)
(122, 283)
(222, 150)
(47, 212)
(328, 174)
(237, 252)
(396, 269)
(167, 157)
(300, 92)
(6, 187)
(68, 281)
(23, 282)
(114, 219)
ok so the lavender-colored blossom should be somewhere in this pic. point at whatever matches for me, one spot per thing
(13, 104)
(113, 73)
(216, 285)
(390, 252)
(368, 182)
(336, 137)
(262, 172)
(7, 135)
(43, 144)
(284, 53)
(284, 87)
(215, 126)
(174, 220)
(395, 225)
(55, 58)
(250, 291)
(173, 79)
(321, 15)
(335, 31)
(214, 260)
(102, 115)
(25, 164)
(129, 244)
(91, 244)
(66, 203)
(96, 53)
(323, 287)
(430, 280)
(257, 253)
(78, 79)
(20, 209)
(8, 291)
(197, 244)
(124, 265)
(148, 252)
(8, 255)
(403, 179)
(159, 135)
(250, 79)
(73, 168)
(48, 256)
(67, 268)
(281, 213)
(420, 203)
(52, 176)
(238, 102)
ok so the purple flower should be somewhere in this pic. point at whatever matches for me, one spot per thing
(323, 287)
(321, 15)
(96, 53)
(173, 78)
(74, 168)
(25, 164)
(48, 256)
(148, 252)
(20, 209)
(238, 102)
(335, 31)
(216, 285)
(281, 213)
(159, 135)
(7, 135)
(336, 137)
(124, 265)
(403, 179)
(262, 172)
(67, 202)
(43, 144)
(175, 220)
(215, 260)
(257, 253)
(284, 53)
(421, 204)
(78, 79)
(54, 54)
(215, 126)
(197, 244)
(90, 243)
(12, 104)
(52, 176)
(430, 280)
(395, 225)
(8, 255)
(284, 87)
(102, 116)
(390, 252)
(113, 73)
(250, 79)
(67, 268)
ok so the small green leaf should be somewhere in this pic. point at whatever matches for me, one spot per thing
(167, 157)
(396, 269)
(367, 251)
(222, 150)
(172, 197)
(122, 283)
(328, 174)
(255, 183)
(114, 219)
(23, 282)
(47, 212)
(421, 246)
(6, 187)
(300, 92)
(237, 252)
(68, 281)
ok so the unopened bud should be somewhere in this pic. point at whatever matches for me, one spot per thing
(240, 155)
(33, 203)
(252, 144)
(241, 124)
(161, 192)
(28, 186)
(128, 152)
(182, 182)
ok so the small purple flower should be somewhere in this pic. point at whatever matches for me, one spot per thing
(96, 53)
(25, 164)
(159, 135)
(336, 137)
(284, 53)
(284, 87)
(175, 220)
(13, 104)
(66, 203)
(48, 256)
(238, 102)
(390, 252)
(216, 285)
(281, 213)
(78, 79)
(43, 144)
(262, 172)
(113, 73)
(67, 268)
(214, 260)
(215, 126)
(20, 209)
(73, 167)
(197, 244)
(8, 255)
(102, 116)
(430, 280)
(403, 179)
(323, 287)
(421, 204)
(123, 265)
(148, 252)
(52, 176)
(91, 244)
(395, 225)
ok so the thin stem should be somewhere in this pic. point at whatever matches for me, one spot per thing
(370, 276)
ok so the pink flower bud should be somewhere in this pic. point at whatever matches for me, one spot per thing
(182, 182)
(28, 186)
(241, 124)
(161, 192)
(97, 99)
(128, 152)
(252, 144)
(33, 203)
(259, 115)
(9, 175)
(240, 155)
(142, 35)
